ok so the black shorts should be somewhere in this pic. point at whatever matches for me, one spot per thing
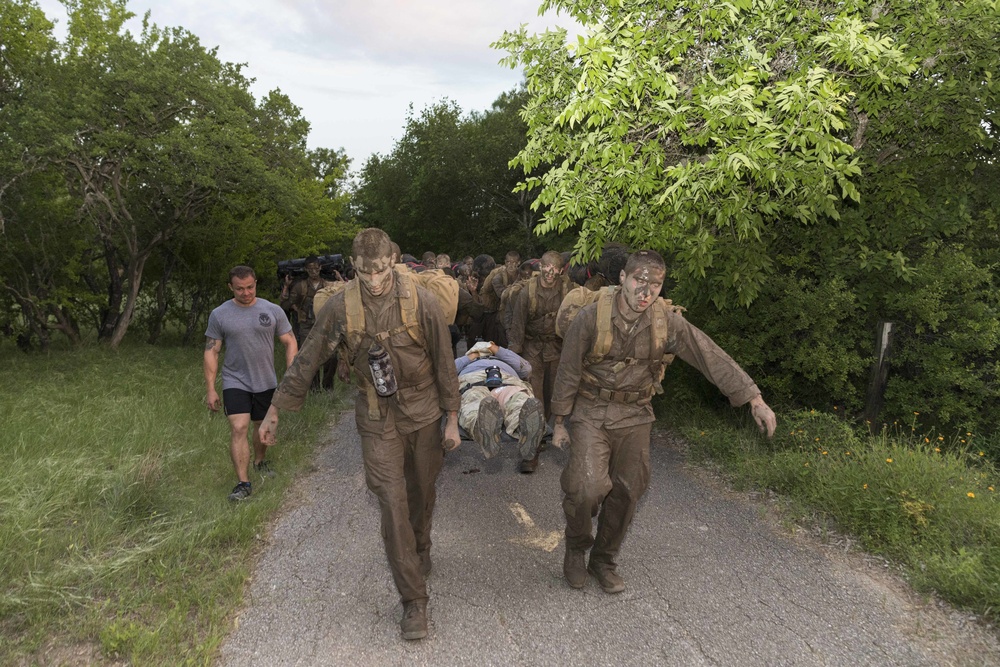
(240, 402)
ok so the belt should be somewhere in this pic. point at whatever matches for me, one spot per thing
(481, 384)
(616, 396)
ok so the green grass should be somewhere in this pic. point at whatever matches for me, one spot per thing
(117, 536)
(926, 501)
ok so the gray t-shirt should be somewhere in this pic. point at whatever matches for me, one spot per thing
(248, 334)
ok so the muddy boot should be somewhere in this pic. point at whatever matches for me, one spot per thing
(530, 428)
(575, 567)
(607, 577)
(414, 623)
(529, 466)
(489, 423)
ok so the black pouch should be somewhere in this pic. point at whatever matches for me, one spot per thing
(493, 377)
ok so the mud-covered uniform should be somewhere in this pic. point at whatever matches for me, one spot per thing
(401, 434)
(533, 335)
(609, 400)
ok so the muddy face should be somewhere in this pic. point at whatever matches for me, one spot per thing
(548, 273)
(244, 290)
(641, 288)
(375, 274)
(312, 270)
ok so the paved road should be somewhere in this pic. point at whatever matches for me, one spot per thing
(710, 582)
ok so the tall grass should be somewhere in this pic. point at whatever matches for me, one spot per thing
(927, 501)
(116, 533)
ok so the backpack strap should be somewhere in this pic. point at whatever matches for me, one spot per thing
(605, 330)
(406, 295)
(533, 297)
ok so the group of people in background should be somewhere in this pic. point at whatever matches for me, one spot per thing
(588, 389)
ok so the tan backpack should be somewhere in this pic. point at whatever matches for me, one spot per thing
(323, 295)
(577, 298)
(489, 295)
(437, 282)
(443, 287)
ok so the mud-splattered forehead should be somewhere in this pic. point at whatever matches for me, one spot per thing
(371, 244)
(552, 258)
(649, 261)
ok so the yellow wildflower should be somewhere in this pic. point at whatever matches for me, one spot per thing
(865, 486)
(888, 460)
(971, 494)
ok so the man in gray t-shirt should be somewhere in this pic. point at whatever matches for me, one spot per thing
(247, 326)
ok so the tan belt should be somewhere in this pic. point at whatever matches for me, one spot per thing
(616, 396)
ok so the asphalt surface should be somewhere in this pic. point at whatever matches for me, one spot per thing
(711, 579)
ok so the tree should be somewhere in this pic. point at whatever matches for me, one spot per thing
(154, 151)
(448, 186)
(827, 162)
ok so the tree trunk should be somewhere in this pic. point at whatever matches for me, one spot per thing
(65, 323)
(134, 282)
(111, 315)
(156, 326)
(194, 314)
(879, 375)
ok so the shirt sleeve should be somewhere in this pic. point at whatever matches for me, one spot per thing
(515, 361)
(579, 339)
(518, 320)
(696, 348)
(213, 330)
(283, 326)
(319, 345)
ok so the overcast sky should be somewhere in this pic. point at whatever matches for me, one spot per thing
(354, 66)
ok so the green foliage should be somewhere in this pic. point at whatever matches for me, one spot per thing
(926, 501)
(117, 533)
(806, 167)
(447, 184)
(145, 153)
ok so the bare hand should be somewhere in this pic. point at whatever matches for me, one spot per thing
(213, 400)
(560, 435)
(763, 415)
(451, 437)
(269, 426)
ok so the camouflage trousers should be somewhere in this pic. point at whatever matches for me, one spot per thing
(511, 396)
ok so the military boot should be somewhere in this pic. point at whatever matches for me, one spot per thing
(414, 623)
(575, 567)
(606, 577)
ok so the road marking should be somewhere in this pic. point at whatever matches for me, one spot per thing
(535, 536)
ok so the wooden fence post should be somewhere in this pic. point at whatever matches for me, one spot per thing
(880, 374)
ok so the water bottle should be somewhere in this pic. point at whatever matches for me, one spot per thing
(383, 376)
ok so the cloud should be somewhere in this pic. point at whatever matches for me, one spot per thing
(355, 66)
